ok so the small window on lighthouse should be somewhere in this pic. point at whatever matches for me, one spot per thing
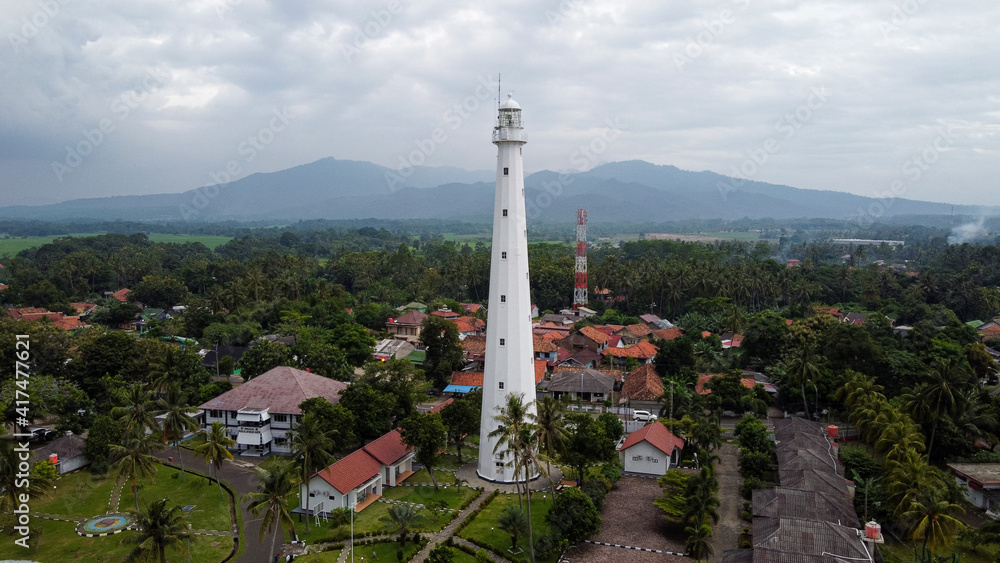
(503, 342)
(501, 385)
(504, 212)
(503, 298)
(503, 255)
(505, 169)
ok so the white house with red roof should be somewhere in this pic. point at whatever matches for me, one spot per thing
(358, 479)
(651, 450)
(260, 413)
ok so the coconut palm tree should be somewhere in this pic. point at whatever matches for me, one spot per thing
(215, 450)
(135, 460)
(515, 522)
(178, 420)
(938, 396)
(136, 409)
(511, 419)
(933, 523)
(271, 499)
(311, 447)
(401, 519)
(160, 527)
(804, 366)
(551, 429)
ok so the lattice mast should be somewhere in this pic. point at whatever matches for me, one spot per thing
(580, 284)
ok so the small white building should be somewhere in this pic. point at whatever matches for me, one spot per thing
(260, 413)
(651, 450)
(68, 452)
(358, 479)
(980, 482)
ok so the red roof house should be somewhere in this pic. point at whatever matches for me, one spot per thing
(651, 450)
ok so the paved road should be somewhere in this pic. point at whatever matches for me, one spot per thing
(727, 532)
(242, 482)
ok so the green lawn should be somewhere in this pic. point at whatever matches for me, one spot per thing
(424, 476)
(894, 552)
(484, 527)
(448, 461)
(461, 556)
(369, 521)
(321, 557)
(210, 511)
(77, 495)
(383, 552)
(58, 541)
(423, 495)
(11, 246)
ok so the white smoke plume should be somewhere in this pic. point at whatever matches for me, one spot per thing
(968, 232)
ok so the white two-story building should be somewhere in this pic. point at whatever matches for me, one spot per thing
(260, 413)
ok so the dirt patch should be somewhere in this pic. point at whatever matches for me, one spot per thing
(590, 553)
(682, 237)
(631, 518)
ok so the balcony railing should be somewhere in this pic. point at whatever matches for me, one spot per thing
(508, 134)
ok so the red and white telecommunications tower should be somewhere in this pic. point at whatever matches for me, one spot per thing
(580, 286)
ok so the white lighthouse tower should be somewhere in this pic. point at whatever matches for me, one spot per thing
(510, 364)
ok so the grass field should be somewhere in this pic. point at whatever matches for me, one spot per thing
(210, 511)
(321, 557)
(77, 495)
(484, 527)
(58, 541)
(383, 552)
(11, 246)
(423, 495)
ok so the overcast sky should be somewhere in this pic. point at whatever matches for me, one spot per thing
(859, 96)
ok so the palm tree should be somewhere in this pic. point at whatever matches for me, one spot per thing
(10, 491)
(697, 544)
(135, 460)
(401, 519)
(271, 498)
(136, 409)
(932, 521)
(511, 418)
(804, 366)
(159, 528)
(551, 428)
(515, 522)
(939, 395)
(178, 420)
(215, 450)
(311, 446)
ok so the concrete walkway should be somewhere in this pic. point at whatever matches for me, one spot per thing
(726, 533)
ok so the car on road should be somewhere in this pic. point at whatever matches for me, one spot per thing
(41, 434)
(643, 416)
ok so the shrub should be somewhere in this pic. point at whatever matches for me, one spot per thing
(751, 484)
(596, 489)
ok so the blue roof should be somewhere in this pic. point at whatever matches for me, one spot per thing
(460, 388)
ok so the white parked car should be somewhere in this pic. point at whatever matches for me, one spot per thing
(643, 416)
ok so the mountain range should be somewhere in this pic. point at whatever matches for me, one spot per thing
(619, 191)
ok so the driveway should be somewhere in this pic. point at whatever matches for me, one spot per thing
(242, 482)
(631, 519)
(726, 534)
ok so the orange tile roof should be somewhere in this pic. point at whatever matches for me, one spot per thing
(474, 344)
(540, 370)
(389, 448)
(990, 332)
(122, 294)
(543, 346)
(82, 307)
(351, 471)
(703, 379)
(639, 330)
(469, 378)
(668, 333)
(69, 323)
(594, 334)
(464, 326)
(442, 405)
(657, 435)
(641, 349)
(643, 384)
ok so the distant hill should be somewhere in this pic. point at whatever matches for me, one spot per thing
(346, 189)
